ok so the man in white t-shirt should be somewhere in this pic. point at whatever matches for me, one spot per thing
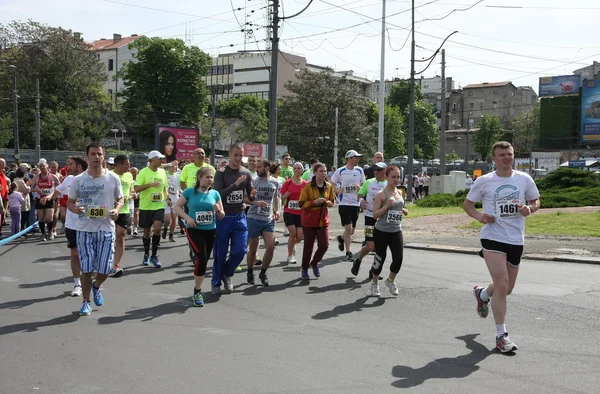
(426, 183)
(173, 188)
(76, 165)
(468, 182)
(348, 181)
(508, 197)
(96, 196)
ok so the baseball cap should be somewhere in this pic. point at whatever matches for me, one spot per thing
(352, 153)
(42, 160)
(111, 160)
(155, 155)
(381, 165)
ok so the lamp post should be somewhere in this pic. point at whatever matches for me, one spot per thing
(15, 112)
(213, 128)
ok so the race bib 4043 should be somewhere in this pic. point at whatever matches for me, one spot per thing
(97, 212)
(204, 217)
(235, 197)
(508, 208)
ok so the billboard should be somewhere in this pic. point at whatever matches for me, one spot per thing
(590, 111)
(562, 85)
(262, 150)
(176, 142)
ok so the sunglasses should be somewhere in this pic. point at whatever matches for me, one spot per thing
(286, 158)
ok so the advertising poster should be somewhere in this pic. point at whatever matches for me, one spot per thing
(177, 143)
(262, 150)
(562, 85)
(590, 111)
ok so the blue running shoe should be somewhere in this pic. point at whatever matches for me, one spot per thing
(305, 275)
(98, 297)
(198, 299)
(145, 260)
(86, 309)
(155, 262)
(316, 271)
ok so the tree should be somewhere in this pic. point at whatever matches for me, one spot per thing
(526, 131)
(165, 84)
(394, 143)
(306, 118)
(452, 156)
(74, 110)
(490, 132)
(426, 135)
(252, 113)
(400, 95)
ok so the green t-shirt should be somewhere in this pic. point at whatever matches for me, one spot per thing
(188, 174)
(126, 183)
(287, 173)
(307, 175)
(153, 198)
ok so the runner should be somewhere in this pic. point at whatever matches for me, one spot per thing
(308, 174)
(388, 208)
(151, 183)
(188, 173)
(275, 172)
(64, 198)
(286, 171)
(348, 181)
(508, 197)
(44, 184)
(121, 169)
(53, 167)
(96, 196)
(370, 172)
(367, 194)
(173, 185)
(262, 215)
(201, 206)
(426, 183)
(252, 165)
(136, 204)
(75, 165)
(292, 213)
(315, 199)
(231, 182)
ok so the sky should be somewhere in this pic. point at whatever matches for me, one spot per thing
(497, 40)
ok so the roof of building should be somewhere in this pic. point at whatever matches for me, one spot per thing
(107, 44)
(487, 85)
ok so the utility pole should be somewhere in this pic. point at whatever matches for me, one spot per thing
(38, 147)
(467, 161)
(15, 113)
(213, 128)
(335, 139)
(443, 118)
(411, 118)
(380, 133)
(273, 82)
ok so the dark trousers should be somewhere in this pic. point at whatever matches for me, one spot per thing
(202, 242)
(382, 241)
(321, 234)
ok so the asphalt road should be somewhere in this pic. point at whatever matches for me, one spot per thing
(325, 336)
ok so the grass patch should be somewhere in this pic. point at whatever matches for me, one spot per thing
(559, 223)
(416, 211)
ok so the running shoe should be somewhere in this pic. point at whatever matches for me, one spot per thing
(316, 271)
(504, 344)
(77, 291)
(86, 309)
(264, 279)
(146, 260)
(286, 232)
(482, 307)
(116, 272)
(349, 256)
(305, 275)
(216, 290)
(171, 238)
(291, 260)
(340, 243)
(258, 262)
(198, 299)
(128, 230)
(135, 232)
(276, 242)
(51, 237)
(181, 231)
(375, 290)
(250, 277)
(355, 267)
(238, 269)
(228, 286)
(164, 233)
(155, 262)
(98, 297)
(392, 287)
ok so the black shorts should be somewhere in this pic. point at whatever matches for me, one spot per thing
(124, 220)
(71, 236)
(513, 252)
(292, 220)
(348, 214)
(49, 204)
(147, 218)
(369, 227)
(136, 204)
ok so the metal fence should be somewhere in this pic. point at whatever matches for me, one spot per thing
(138, 159)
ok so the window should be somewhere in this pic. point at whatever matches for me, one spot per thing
(495, 92)
(453, 122)
(110, 64)
(495, 104)
(230, 69)
(425, 86)
(470, 93)
(481, 106)
(472, 105)
(454, 107)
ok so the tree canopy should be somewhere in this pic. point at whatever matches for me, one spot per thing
(427, 137)
(400, 95)
(252, 113)
(490, 132)
(526, 131)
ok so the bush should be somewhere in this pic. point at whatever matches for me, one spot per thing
(565, 178)
(570, 197)
(440, 200)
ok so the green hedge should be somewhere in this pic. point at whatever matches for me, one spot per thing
(565, 178)
(444, 200)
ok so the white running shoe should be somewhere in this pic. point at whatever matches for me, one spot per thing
(76, 292)
(375, 290)
(291, 260)
(286, 232)
(228, 285)
(392, 287)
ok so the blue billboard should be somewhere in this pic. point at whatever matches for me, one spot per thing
(590, 111)
(563, 85)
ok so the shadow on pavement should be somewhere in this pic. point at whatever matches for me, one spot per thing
(34, 326)
(148, 314)
(62, 281)
(55, 258)
(259, 288)
(444, 368)
(18, 304)
(355, 306)
(350, 284)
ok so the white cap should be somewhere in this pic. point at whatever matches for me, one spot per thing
(42, 160)
(352, 153)
(155, 155)
(111, 160)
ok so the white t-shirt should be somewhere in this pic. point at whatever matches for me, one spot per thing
(501, 197)
(468, 183)
(63, 189)
(426, 180)
(98, 196)
(173, 186)
(350, 182)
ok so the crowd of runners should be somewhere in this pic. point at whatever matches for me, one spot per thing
(226, 213)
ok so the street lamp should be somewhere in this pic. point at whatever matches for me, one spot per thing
(213, 128)
(15, 112)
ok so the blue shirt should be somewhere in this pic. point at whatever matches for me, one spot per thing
(201, 208)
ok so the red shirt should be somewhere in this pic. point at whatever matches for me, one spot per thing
(291, 205)
(3, 186)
